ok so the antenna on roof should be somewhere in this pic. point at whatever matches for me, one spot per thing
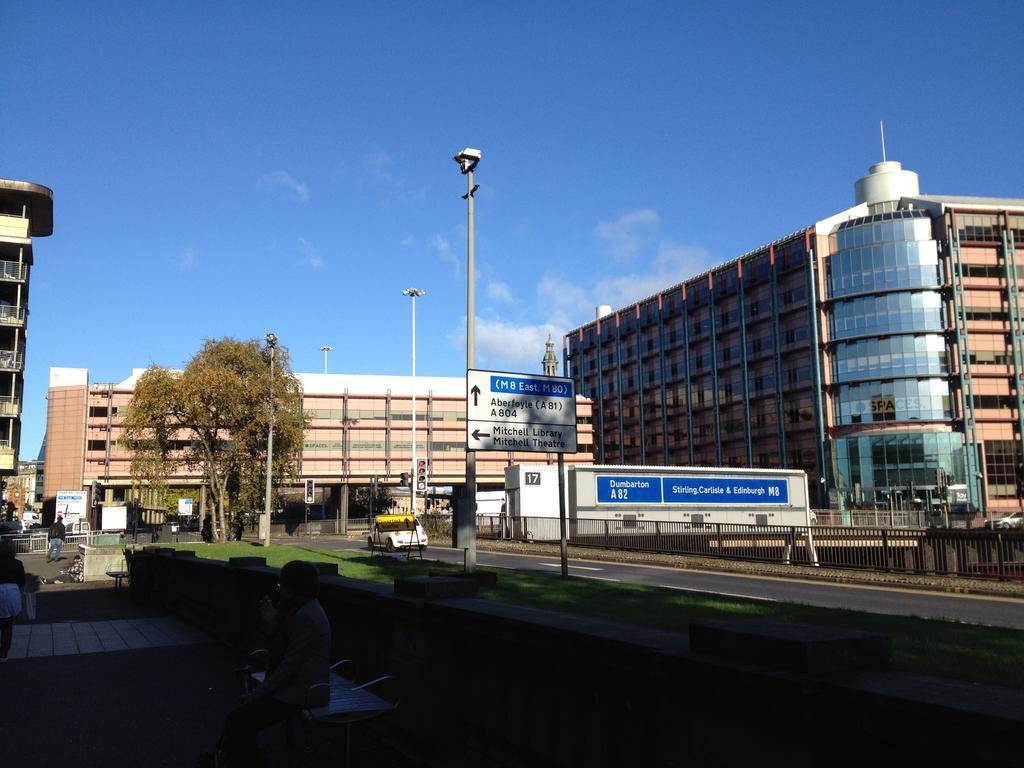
(881, 127)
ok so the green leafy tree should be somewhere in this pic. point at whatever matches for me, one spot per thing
(212, 417)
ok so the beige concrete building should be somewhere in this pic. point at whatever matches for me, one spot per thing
(26, 212)
(360, 429)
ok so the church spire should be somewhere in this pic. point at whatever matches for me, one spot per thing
(550, 359)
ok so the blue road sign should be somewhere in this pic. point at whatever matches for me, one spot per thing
(724, 490)
(517, 385)
(659, 489)
(628, 489)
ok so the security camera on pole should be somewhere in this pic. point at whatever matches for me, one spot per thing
(271, 340)
(413, 293)
(465, 527)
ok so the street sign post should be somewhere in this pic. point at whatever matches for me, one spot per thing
(526, 413)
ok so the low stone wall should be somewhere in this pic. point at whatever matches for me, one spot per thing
(486, 683)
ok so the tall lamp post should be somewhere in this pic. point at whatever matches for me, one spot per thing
(271, 340)
(326, 348)
(466, 525)
(413, 293)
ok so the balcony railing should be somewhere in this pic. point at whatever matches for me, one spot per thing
(12, 270)
(10, 360)
(12, 315)
(10, 405)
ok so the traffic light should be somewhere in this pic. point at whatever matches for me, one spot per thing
(422, 466)
(405, 479)
(310, 491)
(1020, 479)
(97, 493)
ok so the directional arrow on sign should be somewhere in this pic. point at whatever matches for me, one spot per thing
(478, 435)
(475, 391)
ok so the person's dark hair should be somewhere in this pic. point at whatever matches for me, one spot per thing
(301, 579)
(7, 549)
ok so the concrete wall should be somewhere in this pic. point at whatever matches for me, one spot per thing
(484, 683)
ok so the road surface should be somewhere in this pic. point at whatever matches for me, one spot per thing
(971, 609)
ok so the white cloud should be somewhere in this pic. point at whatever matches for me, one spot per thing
(391, 186)
(672, 264)
(187, 258)
(443, 248)
(629, 234)
(507, 345)
(311, 258)
(440, 244)
(563, 302)
(285, 185)
(498, 291)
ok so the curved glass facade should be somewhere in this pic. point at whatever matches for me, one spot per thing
(889, 401)
(890, 361)
(898, 355)
(889, 313)
(896, 460)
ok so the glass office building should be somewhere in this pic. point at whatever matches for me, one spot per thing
(878, 349)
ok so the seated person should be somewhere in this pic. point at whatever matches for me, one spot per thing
(299, 659)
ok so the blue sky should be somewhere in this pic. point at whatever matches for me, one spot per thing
(232, 168)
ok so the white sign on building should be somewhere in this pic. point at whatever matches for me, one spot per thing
(72, 506)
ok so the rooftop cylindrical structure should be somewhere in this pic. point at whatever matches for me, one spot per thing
(886, 182)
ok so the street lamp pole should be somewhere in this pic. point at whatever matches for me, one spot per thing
(413, 293)
(265, 520)
(466, 526)
(325, 349)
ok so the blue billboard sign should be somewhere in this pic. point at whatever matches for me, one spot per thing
(632, 489)
(628, 489)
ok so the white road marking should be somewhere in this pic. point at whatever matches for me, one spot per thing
(714, 592)
(577, 567)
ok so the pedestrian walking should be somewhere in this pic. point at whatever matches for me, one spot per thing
(207, 531)
(58, 535)
(12, 580)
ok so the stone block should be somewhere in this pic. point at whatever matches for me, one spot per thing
(483, 579)
(326, 569)
(96, 562)
(184, 554)
(244, 562)
(804, 648)
(435, 587)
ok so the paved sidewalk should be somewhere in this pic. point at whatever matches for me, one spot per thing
(100, 681)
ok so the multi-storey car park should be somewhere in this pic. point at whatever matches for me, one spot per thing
(878, 349)
(26, 212)
(360, 432)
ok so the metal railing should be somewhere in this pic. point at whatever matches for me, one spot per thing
(38, 540)
(962, 553)
(12, 270)
(10, 405)
(10, 360)
(12, 315)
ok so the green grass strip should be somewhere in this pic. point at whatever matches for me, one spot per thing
(944, 648)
